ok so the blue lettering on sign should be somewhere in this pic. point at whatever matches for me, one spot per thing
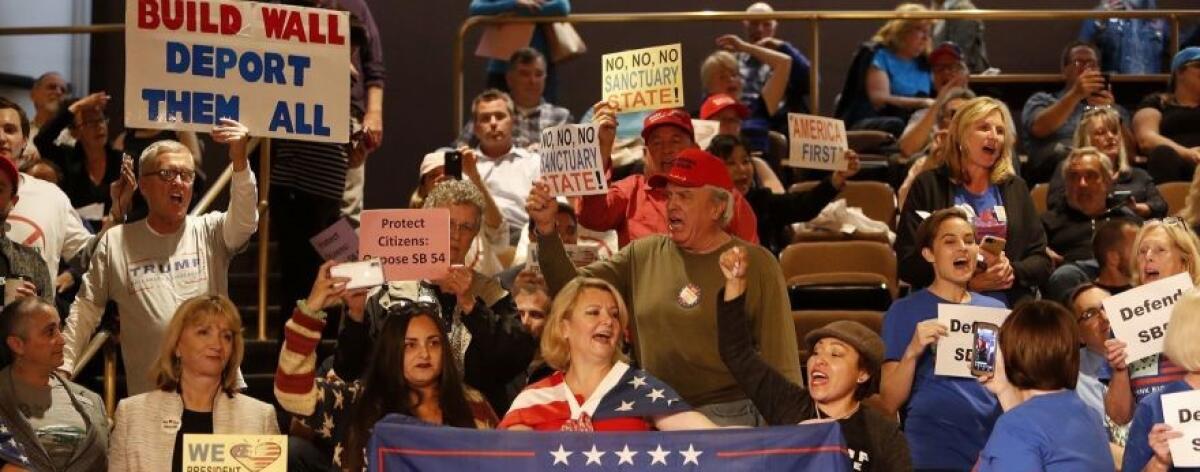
(190, 106)
(282, 119)
(204, 60)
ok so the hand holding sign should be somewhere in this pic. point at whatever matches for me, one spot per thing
(1139, 316)
(852, 164)
(604, 117)
(542, 207)
(236, 135)
(1178, 441)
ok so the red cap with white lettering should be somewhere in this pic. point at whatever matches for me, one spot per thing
(695, 168)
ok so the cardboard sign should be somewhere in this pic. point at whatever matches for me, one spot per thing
(704, 131)
(816, 142)
(644, 79)
(249, 452)
(1139, 316)
(954, 351)
(282, 71)
(412, 244)
(338, 242)
(1182, 411)
(571, 162)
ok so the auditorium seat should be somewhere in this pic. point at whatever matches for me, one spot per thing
(876, 199)
(840, 275)
(1175, 194)
(1039, 194)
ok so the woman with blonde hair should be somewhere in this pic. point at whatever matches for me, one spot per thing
(1162, 248)
(1147, 448)
(197, 378)
(582, 340)
(978, 176)
(1101, 128)
(899, 80)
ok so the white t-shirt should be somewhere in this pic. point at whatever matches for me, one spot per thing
(44, 220)
(509, 179)
(149, 275)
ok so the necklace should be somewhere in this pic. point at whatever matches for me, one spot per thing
(847, 415)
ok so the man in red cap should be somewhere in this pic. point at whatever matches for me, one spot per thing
(671, 282)
(19, 264)
(726, 111)
(632, 207)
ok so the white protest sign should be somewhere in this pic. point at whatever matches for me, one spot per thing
(571, 162)
(816, 142)
(704, 130)
(580, 255)
(282, 71)
(1139, 316)
(1182, 411)
(338, 242)
(954, 351)
(644, 79)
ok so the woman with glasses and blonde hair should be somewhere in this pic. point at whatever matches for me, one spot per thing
(582, 340)
(1101, 128)
(1147, 448)
(978, 176)
(1162, 248)
(898, 79)
(197, 378)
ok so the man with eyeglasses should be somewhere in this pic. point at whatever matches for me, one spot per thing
(1048, 121)
(1086, 302)
(149, 267)
(89, 165)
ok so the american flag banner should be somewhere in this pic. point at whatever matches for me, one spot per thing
(11, 451)
(401, 443)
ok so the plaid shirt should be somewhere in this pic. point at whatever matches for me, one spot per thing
(528, 128)
(25, 261)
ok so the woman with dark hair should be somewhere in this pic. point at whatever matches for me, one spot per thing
(774, 211)
(1045, 425)
(842, 371)
(411, 342)
(1165, 124)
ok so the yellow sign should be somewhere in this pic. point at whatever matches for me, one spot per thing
(234, 453)
(644, 79)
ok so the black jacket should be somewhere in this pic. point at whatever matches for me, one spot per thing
(1069, 232)
(1025, 248)
(776, 211)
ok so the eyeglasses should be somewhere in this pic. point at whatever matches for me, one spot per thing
(1085, 64)
(169, 175)
(1091, 313)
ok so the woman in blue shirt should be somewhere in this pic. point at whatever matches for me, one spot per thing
(946, 419)
(1045, 425)
(1147, 448)
(899, 80)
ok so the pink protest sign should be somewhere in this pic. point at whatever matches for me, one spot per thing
(412, 244)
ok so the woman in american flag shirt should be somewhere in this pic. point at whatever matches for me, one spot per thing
(593, 388)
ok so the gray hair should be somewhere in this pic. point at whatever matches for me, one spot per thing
(161, 147)
(456, 192)
(491, 95)
(956, 93)
(721, 195)
(1079, 153)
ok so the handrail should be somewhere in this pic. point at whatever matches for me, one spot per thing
(813, 17)
(213, 191)
(90, 351)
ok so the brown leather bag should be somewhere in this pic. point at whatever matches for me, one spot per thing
(565, 43)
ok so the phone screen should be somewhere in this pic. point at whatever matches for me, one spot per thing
(453, 167)
(984, 358)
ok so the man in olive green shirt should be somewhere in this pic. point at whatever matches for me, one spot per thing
(671, 284)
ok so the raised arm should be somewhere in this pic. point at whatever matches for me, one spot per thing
(1053, 117)
(88, 307)
(780, 64)
(780, 400)
(295, 376)
(491, 213)
(241, 221)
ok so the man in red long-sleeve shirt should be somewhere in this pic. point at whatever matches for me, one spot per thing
(631, 206)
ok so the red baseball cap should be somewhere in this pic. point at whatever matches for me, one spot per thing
(946, 48)
(695, 168)
(668, 117)
(717, 103)
(9, 169)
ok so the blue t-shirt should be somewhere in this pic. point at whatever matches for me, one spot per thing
(1051, 432)
(947, 419)
(1149, 413)
(906, 78)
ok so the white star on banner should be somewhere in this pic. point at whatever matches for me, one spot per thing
(691, 455)
(638, 382)
(625, 455)
(594, 456)
(625, 406)
(655, 394)
(658, 455)
(561, 456)
(337, 399)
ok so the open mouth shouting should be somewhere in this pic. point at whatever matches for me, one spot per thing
(604, 336)
(1150, 274)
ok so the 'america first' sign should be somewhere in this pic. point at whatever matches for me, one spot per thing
(282, 71)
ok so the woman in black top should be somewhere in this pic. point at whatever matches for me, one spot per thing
(1167, 125)
(842, 371)
(775, 211)
(91, 164)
